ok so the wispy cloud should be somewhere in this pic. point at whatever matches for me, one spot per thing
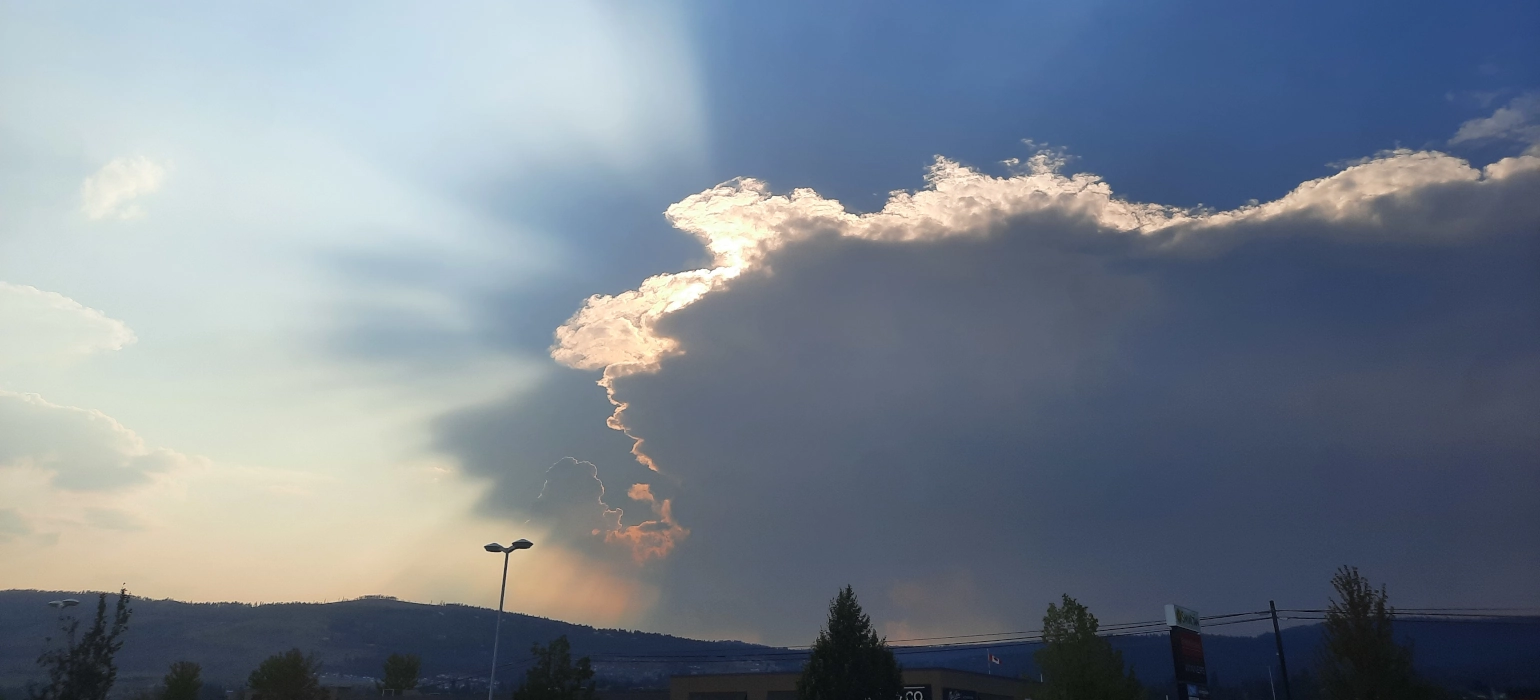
(112, 191)
(1518, 121)
(42, 326)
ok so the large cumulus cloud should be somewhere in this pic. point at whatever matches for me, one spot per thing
(1029, 384)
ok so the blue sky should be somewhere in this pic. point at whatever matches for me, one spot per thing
(272, 274)
(859, 95)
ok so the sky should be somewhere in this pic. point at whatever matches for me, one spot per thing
(727, 305)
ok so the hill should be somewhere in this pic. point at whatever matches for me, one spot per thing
(350, 637)
(353, 638)
(1467, 655)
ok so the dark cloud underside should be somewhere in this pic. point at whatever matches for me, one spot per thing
(1023, 386)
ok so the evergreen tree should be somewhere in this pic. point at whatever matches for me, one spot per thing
(84, 668)
(1077, 664)
(182, 681)
(291, 675)
(401, 671)
(554, 677)
(1359, 658)
(849, 661)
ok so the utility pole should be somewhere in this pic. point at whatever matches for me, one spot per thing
(1283, 666)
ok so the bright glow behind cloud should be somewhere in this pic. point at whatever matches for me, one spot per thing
(741, 222)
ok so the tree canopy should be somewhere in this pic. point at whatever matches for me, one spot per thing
(84, 668)
(291, 675)
(1077, 664)
(401, 671)
(555, 677)
(1359, 658)
(182, 681)
(849, 661)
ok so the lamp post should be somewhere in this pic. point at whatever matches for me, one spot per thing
(497, 635)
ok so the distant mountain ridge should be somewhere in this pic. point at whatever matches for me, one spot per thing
(350, 637)
(353, 638)
(1457, 654)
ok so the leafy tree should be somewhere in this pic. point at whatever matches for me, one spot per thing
(1359, 658)
(554, 677)
(291, 675)
(182, 682)
(84, 668)
(1077, 664)
(849, 661)
(401, 671)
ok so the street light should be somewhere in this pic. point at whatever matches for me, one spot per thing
(497, 635)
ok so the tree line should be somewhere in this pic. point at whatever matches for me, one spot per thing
(1359, 659)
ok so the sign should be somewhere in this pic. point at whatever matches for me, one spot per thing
(914, 692)
(956, 694)
(1178, 616)
(1187, 654)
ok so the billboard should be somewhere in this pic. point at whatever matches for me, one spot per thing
(1187, 653)
(1178, 616)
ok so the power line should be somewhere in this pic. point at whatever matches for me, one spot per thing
(1430, 612)
(1509, 620)
(1421, 609)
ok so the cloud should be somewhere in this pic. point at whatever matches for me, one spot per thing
(742, 224)
(1518, 121)
(11, 524)
(1028, 372)
(572, 504)
(573, 498)
(39, 326)
(111, 192)
(1026, 378)
(649, 539)
(82, 449)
